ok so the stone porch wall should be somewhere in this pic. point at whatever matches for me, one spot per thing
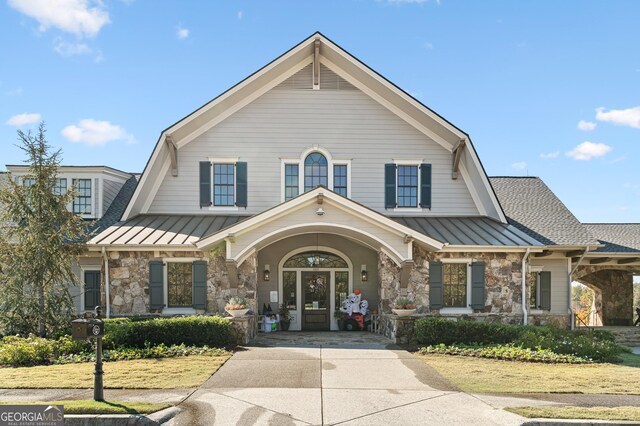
(129, 280)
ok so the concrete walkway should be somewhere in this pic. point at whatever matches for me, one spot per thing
(333, 378)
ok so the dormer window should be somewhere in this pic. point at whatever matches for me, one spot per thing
(82, 202)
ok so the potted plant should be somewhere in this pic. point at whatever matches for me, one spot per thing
(285, 317)
(237, 306)
(404, 307)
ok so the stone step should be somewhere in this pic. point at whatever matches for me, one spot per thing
(628, 336)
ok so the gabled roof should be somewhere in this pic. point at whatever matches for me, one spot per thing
(347, 67)
(534, 209)
(616, 237)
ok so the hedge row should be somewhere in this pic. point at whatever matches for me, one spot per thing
(192, 331)
(598, 346)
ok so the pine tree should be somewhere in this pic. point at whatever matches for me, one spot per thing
(40, 239)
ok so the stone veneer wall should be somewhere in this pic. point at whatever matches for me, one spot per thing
(129, 280)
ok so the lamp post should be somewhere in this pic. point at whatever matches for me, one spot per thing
(98, 385)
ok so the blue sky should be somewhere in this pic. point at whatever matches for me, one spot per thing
(544, 88)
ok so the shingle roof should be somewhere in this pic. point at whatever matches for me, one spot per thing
(534, 209)
(616, 237)
(117, 207)
(164, 229)
(468, 231)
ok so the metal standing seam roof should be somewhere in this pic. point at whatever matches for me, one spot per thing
(468, 231)
(164, 230)
(535, 210)
(616, 237)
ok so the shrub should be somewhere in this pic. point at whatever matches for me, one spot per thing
(32, 350)
(191, 331)
(598, 346)
(508, 352)
(159, 351)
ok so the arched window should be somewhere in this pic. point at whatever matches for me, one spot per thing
(315, 171)
(315, 260)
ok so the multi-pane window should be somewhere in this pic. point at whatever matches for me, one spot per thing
(340, 179)
(60, 186)
(223, 184)
(28, 181)
(315, 171)
(534, 293)
(342, 288)
(291, 187)
(455, 284)
(179, 284)
(82, 202)
(290, 289)
(407, 186)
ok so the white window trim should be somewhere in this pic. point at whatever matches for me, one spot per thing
(165, 263)
(416, 209)
(300, 163)
(459, 310)
(224, 160)
(92, 213)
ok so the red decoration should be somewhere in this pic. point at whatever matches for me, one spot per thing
(357, 291)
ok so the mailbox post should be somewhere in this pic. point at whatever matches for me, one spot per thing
(92, 328)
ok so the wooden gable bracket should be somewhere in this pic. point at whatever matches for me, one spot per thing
(405, 272)
(544, 253)
(456, 153)
(320, 199)
(316, 64)
(628, 260)
(173, 154)
(599, 260)
(232, 271)
(574, 253)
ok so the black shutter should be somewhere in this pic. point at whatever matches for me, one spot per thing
(425, 185)
(241, 184)
(91, 290)
(390, 186)
(200, 284)
(477, 285)
(436, 295)
(156, 285)
(205, 184)
(545, 290)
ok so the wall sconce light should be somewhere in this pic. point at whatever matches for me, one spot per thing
(266, 274)
(320, 211)
(365, 274)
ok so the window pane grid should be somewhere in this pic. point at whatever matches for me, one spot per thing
(60, 187)
(82, 202)
(340, 179)
(291, 187)
(179, 284)
(407, 186)
(455, 285)
(223, 184)
(315, 171)
(289, 290)
(342, 288)
(533, 288)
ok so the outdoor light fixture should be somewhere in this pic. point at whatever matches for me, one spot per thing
(320, 211)
(266, 274)
(365, 274)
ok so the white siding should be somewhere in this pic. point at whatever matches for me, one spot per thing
(285, 122)
(559, 283)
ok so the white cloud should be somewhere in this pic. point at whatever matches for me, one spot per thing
(182, 33)
(83, 18)
(588, 150)
(71, 49)
(96, 133)
(549, 155)
(240, 15)
(23, 119)
(586, 126)
(520, 165)
(622, 117)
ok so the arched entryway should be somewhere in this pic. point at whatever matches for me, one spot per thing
(313, 282)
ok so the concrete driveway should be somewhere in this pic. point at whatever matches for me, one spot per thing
(332, 378)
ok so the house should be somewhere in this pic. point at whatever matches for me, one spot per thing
(316, 176)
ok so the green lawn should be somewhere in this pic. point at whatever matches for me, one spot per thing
(567, 412)
(103, 407)
(494, 376)
(162, 373)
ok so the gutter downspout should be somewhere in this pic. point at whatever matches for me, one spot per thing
(525, 316)
(106, 283)
(573, 323)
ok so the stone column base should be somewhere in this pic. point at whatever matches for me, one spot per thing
(401, 330)
(244, 329)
